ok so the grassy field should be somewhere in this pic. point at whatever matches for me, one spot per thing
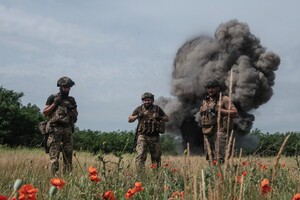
(179, 177)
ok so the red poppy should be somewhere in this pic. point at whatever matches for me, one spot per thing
(130, 193)
(93, 170)
(166, 165)
(296, 197)
(109, 195)
(138, 186)
(94, 174)
(27, 192)
(3, 197)
(95, 178)
(57, 182)
(265, 188)
(244, 163)
(153, 166)
(215, 162)
(244, 173)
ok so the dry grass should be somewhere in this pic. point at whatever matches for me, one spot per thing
(191, 174)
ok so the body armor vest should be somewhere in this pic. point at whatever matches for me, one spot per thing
(148, 125)
(63, 113)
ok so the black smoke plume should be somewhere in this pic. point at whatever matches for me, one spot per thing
(204, 58)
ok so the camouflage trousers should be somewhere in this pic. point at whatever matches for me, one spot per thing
(215, 145)
(60, 140)
(144, 143)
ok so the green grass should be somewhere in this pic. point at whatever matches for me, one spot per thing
(193, 175)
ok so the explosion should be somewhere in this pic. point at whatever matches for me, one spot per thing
(234, 49)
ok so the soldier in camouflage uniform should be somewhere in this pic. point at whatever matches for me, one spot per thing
(216, 134)
(61, 110)
(150, 118)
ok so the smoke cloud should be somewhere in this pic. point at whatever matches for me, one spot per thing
(204, 58)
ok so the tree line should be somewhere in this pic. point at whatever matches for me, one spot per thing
(19, 127)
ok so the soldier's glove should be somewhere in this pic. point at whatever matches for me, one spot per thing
(57, 100)
(141, 115)
(157, 117)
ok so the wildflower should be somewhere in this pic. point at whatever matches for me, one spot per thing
(3, 197)
(137, 188)
(166, 164)
(244, 163)
(93, 170)
(215, 162)
(244, 173)
(109, 195)
(174, 170)
(296, 197)
(129, 193)
(265, 188)
(153, 166)
(283, 165)
(94, 174)
(27, 192)
(95, 178)
(57, 182)
(177, 194)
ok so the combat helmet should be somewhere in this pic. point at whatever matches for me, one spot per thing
(147, 95)
(65, 81)
(212, 84)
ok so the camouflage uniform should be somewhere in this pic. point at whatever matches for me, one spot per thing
(148, 136)
(60, 128)
(215, 136)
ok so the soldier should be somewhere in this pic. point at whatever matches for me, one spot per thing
(151, 119)
(61, 110)
(215, 129)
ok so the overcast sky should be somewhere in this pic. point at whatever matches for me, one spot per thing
(116, 50)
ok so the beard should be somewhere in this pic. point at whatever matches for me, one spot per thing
(63, 94)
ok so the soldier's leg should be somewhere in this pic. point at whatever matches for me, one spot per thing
(221, 146)
(155, 150)
(209, 147)
(141, 149)
(67, 150)
(54, 150)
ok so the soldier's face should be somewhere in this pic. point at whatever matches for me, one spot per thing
(65, 89)
(147, 102)
(212, 91)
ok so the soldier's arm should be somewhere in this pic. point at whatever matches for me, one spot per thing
(50, 106)
(134, 116)
(232, 111)
(164, 116)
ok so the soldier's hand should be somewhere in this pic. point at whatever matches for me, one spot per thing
(57, 100)
(157, 117)
(140, 115)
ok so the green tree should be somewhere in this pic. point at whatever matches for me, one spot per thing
(18, 123)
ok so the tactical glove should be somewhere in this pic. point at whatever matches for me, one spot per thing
(157, 117)
(141, 115)
(57, 100)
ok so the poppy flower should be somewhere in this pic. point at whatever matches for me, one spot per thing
(109, 195)
(244, 173)
(153, 166)
(166, 165)
(57, 182)
(130, 193)
(138, 186)
(215, 162)
(296, 197)
(95, 178)
(177, 194)
(27, 192)
(94, 174)
(265, 188)
(3, 197)
(244, 163)
(93, 170)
